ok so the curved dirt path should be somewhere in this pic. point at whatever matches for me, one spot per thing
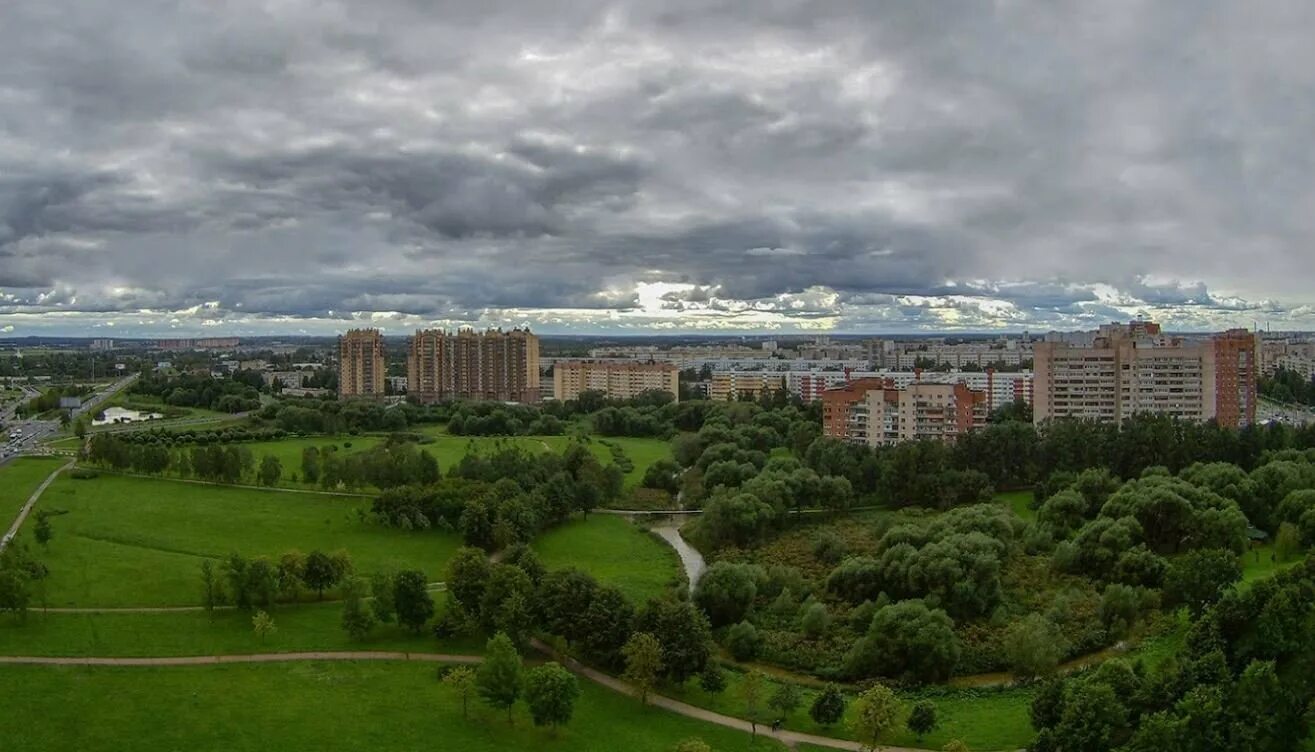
(31, 502)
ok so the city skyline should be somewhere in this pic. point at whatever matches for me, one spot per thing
(603, 168)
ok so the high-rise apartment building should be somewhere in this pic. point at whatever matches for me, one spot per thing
(618, 379)
(488, 365)
(877, 412)
(1134, 368)
(362, 365)
(732, 385)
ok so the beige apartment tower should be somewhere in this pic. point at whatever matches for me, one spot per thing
(361, 364)
(616, 379)
(1133, 368)
(489, 365)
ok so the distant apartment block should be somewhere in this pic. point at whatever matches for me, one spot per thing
(1001, 389)
(733, 385)
(877, 412)
(102, 345)
(616, 379)
(210, 343)
(489, 365)
(1135, 368)
(361, 363)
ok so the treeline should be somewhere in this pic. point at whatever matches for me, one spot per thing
(260, 581)
(305, 416)
(1288, 386)
(241, 393)
(1242, 681)
(49, 399)
(396, 462)
(499, 498)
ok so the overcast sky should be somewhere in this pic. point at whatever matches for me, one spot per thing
(292, 166)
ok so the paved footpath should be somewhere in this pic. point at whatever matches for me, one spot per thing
(31, 501)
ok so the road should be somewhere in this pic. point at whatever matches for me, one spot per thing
(33, 432)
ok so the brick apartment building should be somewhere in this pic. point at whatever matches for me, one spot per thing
(488, 365)
(877, 412)
(362, 364)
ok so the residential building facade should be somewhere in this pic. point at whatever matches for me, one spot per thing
(877, 412)
(361, 363)
(488, 365)
(616, 379)
(1135, 368)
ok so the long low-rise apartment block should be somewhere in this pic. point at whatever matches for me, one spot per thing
(1000, 388)
(618, 379)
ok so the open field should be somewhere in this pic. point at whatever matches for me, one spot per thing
(308, 626)
(134, 541)
(614, 551)
(18, 480)
(987, 719)
(379, 706)
(1260, 562)
(1019, 501)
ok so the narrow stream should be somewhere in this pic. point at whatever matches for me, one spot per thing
(691, 559)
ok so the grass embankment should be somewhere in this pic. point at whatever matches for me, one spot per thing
(128, 541)
(313, 706)
(987, 719)
(18, 480)
(614, 551)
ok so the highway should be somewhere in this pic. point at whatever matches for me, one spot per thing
(33, 431)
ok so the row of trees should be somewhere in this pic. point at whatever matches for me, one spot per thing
(240, 393)
(1289, 386)
(260, 581)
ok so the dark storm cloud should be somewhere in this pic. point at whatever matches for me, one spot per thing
(858, 164)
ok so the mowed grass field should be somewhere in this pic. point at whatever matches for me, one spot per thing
(127, 541)
(614, 551)
(310, 707)
(18, 479)
(987, 719)
(301, 627)
(1019, 501)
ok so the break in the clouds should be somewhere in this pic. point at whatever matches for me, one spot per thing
(289, 165)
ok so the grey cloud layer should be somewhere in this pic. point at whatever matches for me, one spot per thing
(855, 165)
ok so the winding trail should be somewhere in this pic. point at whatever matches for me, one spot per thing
(31, 502)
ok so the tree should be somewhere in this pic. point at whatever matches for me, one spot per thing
(462, 681)
(643, 656)
(310, 464)
(271, 469)
(211, 589)
(263, 625)
(875, 712)
(43, 530)
(828, 707)
(922, 718)
(907, 641)
(786, 699)
(712, 679)
(1199, 578)
(726, 591)
(815, 620)
(262, 581)
(743, 641)
(358, 617)
(1287, 543)
(682, 631)
(751, 692)
(551, 691)
(499, 678)
(291, 570)
(320, 573)
(1033, 647)
(411, 599)
(466, 577)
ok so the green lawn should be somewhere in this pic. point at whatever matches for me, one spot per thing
(136, 541)
(986, 719)
(613, 551)
(1019, 501)
(18, 480)
(309, 626)
(642, 452)
(1260, 562)
(309, 707)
